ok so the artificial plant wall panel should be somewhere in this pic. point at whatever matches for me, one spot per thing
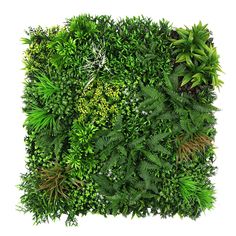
(119, 119)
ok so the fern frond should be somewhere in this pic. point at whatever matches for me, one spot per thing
(178, 98)
(48, 142)
(156, 112)
(152, 157)
(122, 150)
(204, 108)
(144, 172)
(161, 149)
(155, 139)
(146, 103)
(151, 92)
(101, 143)
(154, 143)
(112, 161)
(105, 185)
(138, 142)
(187, 125)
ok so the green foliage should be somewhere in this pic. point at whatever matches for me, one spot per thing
(45, 87)
(194, 191)
(197, 53)
(119, 119)
(39, 119)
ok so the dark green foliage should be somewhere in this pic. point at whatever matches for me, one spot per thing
(119, 119)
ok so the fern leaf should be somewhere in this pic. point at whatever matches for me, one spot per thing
(161, 149)
(151, 92)
(111, 162)
(146, 103)
(187, 125)
(152, 157)
(204, 108)
(177, 97)
(122, 150)
(101, 143)
(155, 139)
(138, 142)
(105, 185)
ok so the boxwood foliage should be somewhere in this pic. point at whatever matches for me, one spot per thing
(119, 119)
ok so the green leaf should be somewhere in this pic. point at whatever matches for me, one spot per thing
(39, 119)
(196, 83)
(46, 88)
(152, 157)
(161, 149)
(186, 79)
(179, 42)
(181, 57)
(183, 32)
(155, 139)
(122, 150)
(26, 41)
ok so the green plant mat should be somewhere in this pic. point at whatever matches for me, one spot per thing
(119, 119)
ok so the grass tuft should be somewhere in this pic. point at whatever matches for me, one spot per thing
(39, 119)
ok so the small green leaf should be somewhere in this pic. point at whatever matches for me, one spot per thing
(26, 41)
(186, 79)
(181, 58)
(196, 83)
(178, 42)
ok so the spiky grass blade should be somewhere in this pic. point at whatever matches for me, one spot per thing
(206, 198)
(195, 191)
(46, 88)
(38, 119)
(187, 187)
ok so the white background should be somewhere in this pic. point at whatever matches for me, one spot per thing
(16, 16)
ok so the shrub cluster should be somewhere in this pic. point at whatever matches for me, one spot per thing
(119, 119)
